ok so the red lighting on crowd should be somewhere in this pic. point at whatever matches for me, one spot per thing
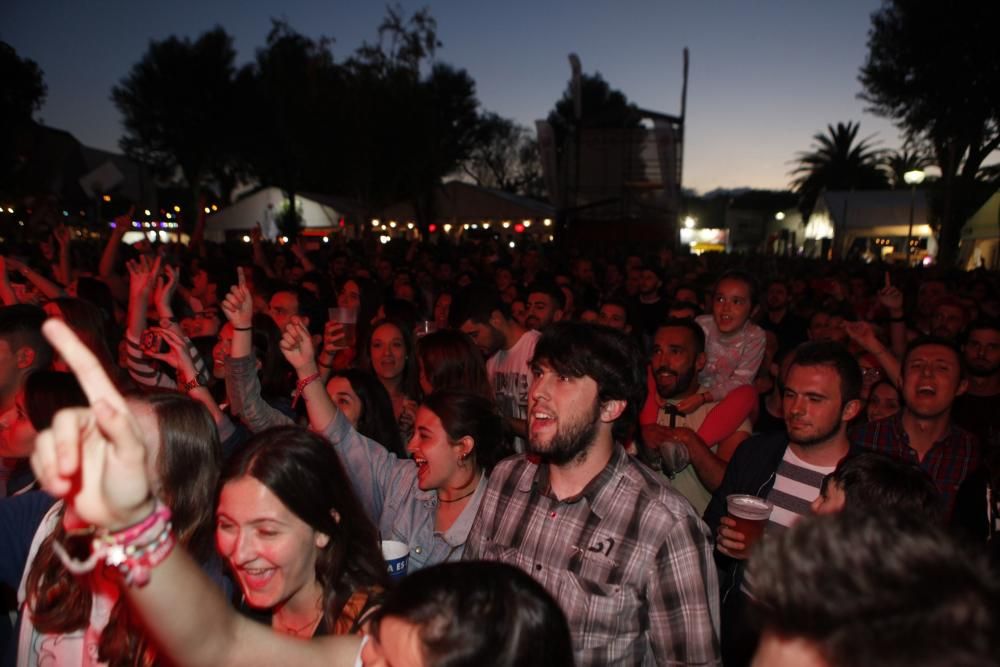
(341, 223)
(519, 228)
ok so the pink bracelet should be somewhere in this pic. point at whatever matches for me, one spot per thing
(301, 385)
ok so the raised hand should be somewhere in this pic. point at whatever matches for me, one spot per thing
(890, 297)
(93, 457)
(142, 275)
(163, 293)
(61, 235)
(123, 223)
(296, 345)
(862, 333)
(238, 304)
(177, 355)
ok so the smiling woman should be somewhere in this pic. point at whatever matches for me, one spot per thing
(296, 538)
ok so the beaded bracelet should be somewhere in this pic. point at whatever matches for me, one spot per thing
(134, 551)
(301, 385)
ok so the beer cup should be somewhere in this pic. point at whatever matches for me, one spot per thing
(347, 318)
(750, 514)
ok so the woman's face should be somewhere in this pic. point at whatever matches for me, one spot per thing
(271, 551)
(436, 457)
(441, 310)
(350, 295)
(396, 644)
(221, 351)
(342, 393)
(388, 352)
(883, 402)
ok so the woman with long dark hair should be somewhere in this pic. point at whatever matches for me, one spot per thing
(78, 620)
(295, 536)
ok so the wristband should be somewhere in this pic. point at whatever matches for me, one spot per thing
(301, 385)
(242, 328)
(192, 384)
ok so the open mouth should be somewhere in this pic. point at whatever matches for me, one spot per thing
(257, 578)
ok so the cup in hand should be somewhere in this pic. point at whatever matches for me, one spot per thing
(348, 319)
(397, 556)
(750, 514)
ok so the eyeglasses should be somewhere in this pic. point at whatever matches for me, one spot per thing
(871, 372)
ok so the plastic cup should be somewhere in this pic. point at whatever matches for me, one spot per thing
(348, 319)
(397, 557)
(750, 514)
(424, 328)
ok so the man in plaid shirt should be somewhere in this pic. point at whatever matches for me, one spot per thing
(626, 556)
(922, 432)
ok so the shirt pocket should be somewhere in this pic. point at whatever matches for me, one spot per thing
(606, 614)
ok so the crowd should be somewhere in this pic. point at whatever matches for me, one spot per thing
(203, 447)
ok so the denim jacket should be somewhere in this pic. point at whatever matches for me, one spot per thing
(387, 488)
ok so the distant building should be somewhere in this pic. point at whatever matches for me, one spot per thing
(870, 223)
(980, 245)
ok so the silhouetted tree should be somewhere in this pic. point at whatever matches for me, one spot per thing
(22, 92)
(897, 163)
(505, 156)
(178, 108)
(602, 107)
(837, 161)
(934, 69)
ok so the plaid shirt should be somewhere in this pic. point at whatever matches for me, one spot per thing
(628, 560)
(948, 462)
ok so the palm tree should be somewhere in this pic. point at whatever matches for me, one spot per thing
(837, 161)
(899, 162)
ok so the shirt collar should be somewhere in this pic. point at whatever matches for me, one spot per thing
(599, 492)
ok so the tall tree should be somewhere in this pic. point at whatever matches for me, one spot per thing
(178, 109)
(897, 163)
(934, 69)
(601, 107)
(290, 100)
(21, 95)
(505, 156)
(837, 161)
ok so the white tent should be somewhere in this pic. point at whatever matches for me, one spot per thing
(981, 236)
(847, 215)
(318, 212)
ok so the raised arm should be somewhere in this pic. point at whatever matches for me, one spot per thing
(46, 287)
(64, 239)
(7, 294)
(94, 459)
(862, 334)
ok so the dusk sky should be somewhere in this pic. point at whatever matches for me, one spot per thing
(765, 76)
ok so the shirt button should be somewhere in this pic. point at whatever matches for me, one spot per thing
(417, 550)
(553, 515)
(538, 567)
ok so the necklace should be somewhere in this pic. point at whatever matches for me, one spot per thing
(455, 500)
(288, 630)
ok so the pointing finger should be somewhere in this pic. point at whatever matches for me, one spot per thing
(88, 370)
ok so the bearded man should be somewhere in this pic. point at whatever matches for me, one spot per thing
(625, 555)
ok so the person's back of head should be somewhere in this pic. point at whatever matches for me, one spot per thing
(888, 589)
(871, 482)
(479, 614)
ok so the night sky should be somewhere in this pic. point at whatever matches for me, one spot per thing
(765, 76)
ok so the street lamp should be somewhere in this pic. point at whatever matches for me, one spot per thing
(913, 178)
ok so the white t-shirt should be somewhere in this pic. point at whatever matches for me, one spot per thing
(510, 376)
(687, 481)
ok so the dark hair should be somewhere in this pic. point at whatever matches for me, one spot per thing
(477, 303)
(879, 588)
(744, 277)
(874, 482)
(692, 327)
(983, 324)
(481, 613)
(275, 372)
(21, 326)
(924, 341)
(685, 305)
(409, 384)
(624, 304)
(836, 356)
(47, 392)
(450, 360)
(307, 476)
(376, 421)
(188, 468)
(461, 414)
(551, 290)
(87, 322)
(611, 358)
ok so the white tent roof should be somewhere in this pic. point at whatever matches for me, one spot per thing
(984, 223)
(318, 211)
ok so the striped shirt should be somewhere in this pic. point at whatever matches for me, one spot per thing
(627, 559)
(796, 485)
